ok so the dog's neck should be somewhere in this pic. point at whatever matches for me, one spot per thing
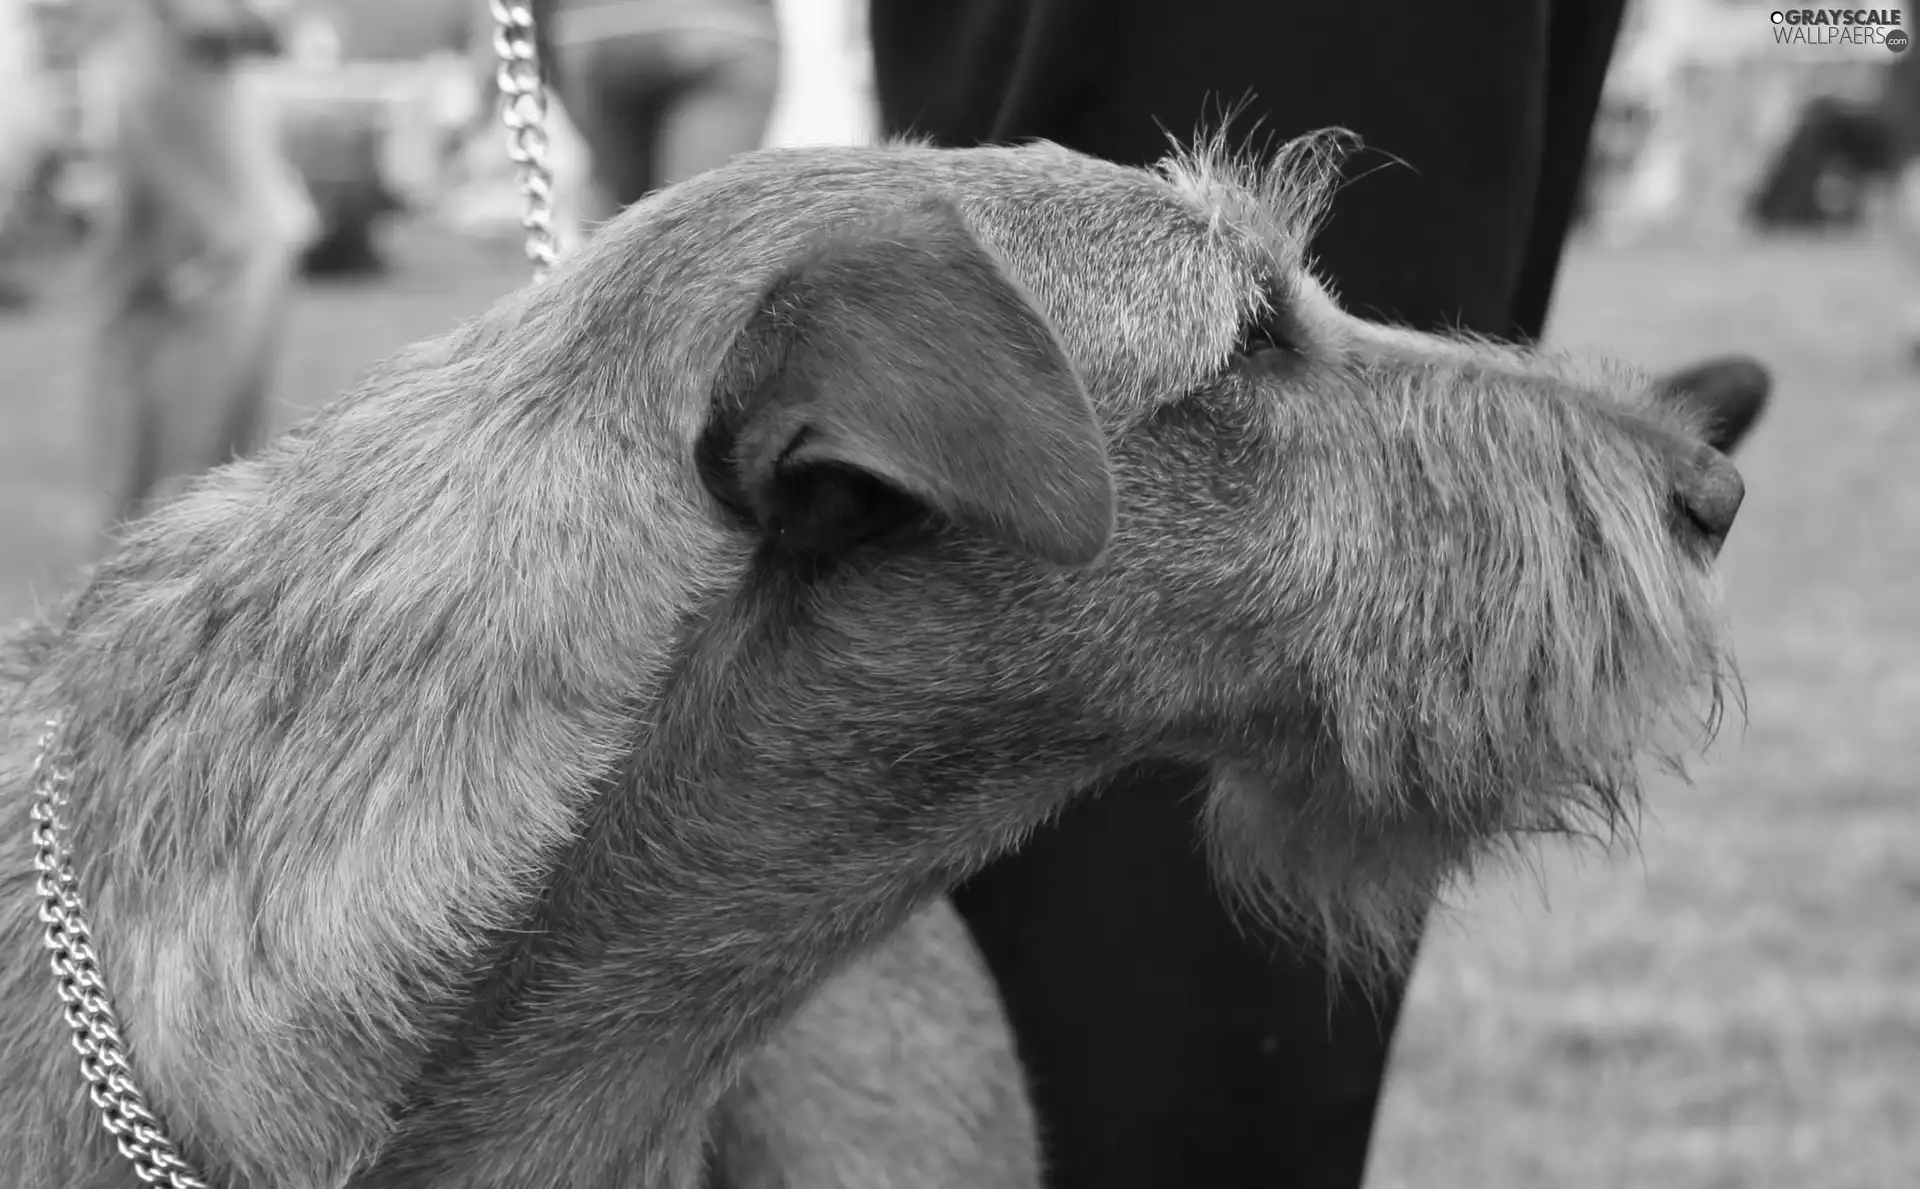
(738, 862)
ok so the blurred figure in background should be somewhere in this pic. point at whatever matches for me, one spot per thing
(198, 246)
(1841, 153)
(660, 90)
(381, 104)
(28, 128)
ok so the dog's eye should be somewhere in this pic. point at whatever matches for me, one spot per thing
(1271, 328)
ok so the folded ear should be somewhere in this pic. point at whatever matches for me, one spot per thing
(896, 369)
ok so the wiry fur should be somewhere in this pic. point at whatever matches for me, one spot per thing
(1276, 203)
(472, 783)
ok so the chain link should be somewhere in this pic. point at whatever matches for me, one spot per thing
(523, 110)
(88, 1010)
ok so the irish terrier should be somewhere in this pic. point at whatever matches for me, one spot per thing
(544, 767)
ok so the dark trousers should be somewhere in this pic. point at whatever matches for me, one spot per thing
(1169, 1044)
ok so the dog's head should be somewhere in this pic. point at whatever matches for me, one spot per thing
(1031, 463)
(835, 516)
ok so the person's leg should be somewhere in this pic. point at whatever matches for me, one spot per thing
(26, 123)
(27, 134)
(723, 106)
(617, 95)
(1169, 1043)
(185, 360)
(660, 95)
(1580, 41)
(196, 265)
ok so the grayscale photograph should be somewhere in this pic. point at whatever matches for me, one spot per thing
(959, 594)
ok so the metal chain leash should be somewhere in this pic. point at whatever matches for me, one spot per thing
(83, 990)
(523, 110)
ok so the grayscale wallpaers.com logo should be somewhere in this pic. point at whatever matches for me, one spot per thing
(1839, 26)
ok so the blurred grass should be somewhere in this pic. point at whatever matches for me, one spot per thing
(1737, 1005)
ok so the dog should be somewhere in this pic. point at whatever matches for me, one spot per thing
(544, 766)
(198, 249)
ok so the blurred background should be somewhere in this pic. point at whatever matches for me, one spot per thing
(1734, 1004)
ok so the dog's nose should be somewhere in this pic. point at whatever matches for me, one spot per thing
(1708, 489)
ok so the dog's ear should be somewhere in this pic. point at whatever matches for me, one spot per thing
(896, 370)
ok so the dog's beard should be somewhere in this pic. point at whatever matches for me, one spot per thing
(1500, 633)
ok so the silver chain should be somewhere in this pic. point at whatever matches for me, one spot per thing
(83, 989)
(77, 979)
(523, 110)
